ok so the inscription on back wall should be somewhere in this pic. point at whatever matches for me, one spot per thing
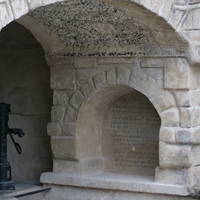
(131, 134)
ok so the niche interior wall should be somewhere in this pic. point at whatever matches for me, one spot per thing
(24, 83)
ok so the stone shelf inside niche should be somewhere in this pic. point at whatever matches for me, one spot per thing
(112, 181)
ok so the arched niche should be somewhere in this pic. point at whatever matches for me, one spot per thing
(104, 118)
(25, 80)
(131, 135)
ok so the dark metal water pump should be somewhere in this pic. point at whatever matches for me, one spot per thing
(5, 167)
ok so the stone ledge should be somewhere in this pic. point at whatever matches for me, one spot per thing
(111, 181)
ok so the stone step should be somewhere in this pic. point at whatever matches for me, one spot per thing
(25, 190)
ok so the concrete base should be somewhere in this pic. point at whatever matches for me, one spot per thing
(110, 186)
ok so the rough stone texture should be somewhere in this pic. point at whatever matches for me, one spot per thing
(88, 88)
(184, 98)
(92, 165)
(183, 136)
(54, 128)
(76, 100)
(111, 76)
(173, 176)
(58, 113)
(68, 129)
(164, 101)
(152, 62)
(34, 4)
(123, 75)
(167, 134)
(6, 14)
(114, 60)
(19, 7)
(176, 17)
(60, 98)
(59, 79)
(195, 155)
(84, 63)
(174, 156)
(196, 176)
(107, 31)
(170, 117)
(195, 97)
(177, 74)
(66, 166)
(189, 117)
(195, 135)
(71, 114)
(111, 187)
(99, 80)
(64, 147)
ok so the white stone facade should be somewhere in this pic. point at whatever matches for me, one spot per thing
(99, 52)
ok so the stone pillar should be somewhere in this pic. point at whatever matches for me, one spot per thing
(63, 115)
(178, 138)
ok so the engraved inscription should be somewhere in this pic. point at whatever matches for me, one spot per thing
(130, 136)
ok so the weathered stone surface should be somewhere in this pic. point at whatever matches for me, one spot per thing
(85, 62)
(111, 76)
(62, 77)
(177, 74)
(60, 98)
(195, 155)
(195, 100)
(164, 101)
(151, 88)
(180, 2)
(172, 176)
(170, 117)
(184, 136)
(193, 19)
(116, 32)
(166, 7)
(63, 147)
(88, 88)
(66, 166)
(57, 61)
(190, 117)
(195, 135)
(176, 18)
(152, 62)
(174, 156)
(6, 15)
(183, 98)
(19, 7)
(123, 75)
(99, 80)
(141, 82)
(68, 129)
(111, 186)
(114, 60)
(34, 4)
(46, 2)
(167, 134)
(58, 113)
(76, 100)
(54, 128)
(196, 176)
(71, 114)
(92, 165)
